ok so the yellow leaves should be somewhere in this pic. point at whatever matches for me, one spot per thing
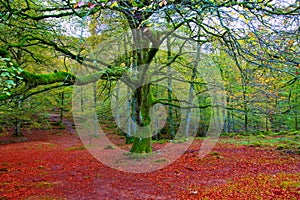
(123, 65)
(241, 16)
(114, 4)
(164, 2)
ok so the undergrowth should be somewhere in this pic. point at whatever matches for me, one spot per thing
(288, 142)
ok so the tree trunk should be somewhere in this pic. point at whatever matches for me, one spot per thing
(191, 92)
(296, 113)
(18, 102)
(95, 129)
(232, 121)
(170, 107)
(156, 120)
(61, 109)
(142, 145)
(17, 128)
(129, 124)
(227, 126)
(142, 142)
(144, 54)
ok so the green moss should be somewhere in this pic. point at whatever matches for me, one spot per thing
(281, 147)
(34, 80)
(144, 99)
(214, 153)
(75, 148)
(290, 184)
(162, 141)
(160, 160)
(109, 147)
(141, 145)
(294, 132)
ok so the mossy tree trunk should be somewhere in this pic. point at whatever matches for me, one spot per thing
(144, 101)
(146, 44)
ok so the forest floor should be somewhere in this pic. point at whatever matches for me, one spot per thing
(53, 164)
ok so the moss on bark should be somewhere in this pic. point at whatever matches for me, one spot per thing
(141, 145)
(144, 99)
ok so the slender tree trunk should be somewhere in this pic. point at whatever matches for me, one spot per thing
(170, 107)
(266, 118)
(156, 120)
(233, 121)
(192, 88)
(296, 121)
(296, 113)
(246, 112)
(95, 130)
(129, 124)
(18, 105)
(245, 105)
(17, 128)
(128, 139)
(117, 107)
(61, 109)
(228, 117)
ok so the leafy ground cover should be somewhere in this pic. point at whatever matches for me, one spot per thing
(288, 142)
(53, 164)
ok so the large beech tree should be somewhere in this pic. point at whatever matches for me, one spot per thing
(269, 28)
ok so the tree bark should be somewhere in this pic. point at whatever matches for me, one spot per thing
(144, 101)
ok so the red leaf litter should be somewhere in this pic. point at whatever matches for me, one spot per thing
(53, 165)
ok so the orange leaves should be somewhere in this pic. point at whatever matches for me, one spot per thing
(82, 3)
(43, 165)
(79, 4)
(290, 43)
(91, 5)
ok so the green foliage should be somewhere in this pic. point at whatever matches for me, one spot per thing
(160, 141)
(9, 75)
(285, 142)
(289, 184)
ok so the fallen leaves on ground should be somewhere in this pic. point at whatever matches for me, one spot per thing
(52, 164)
